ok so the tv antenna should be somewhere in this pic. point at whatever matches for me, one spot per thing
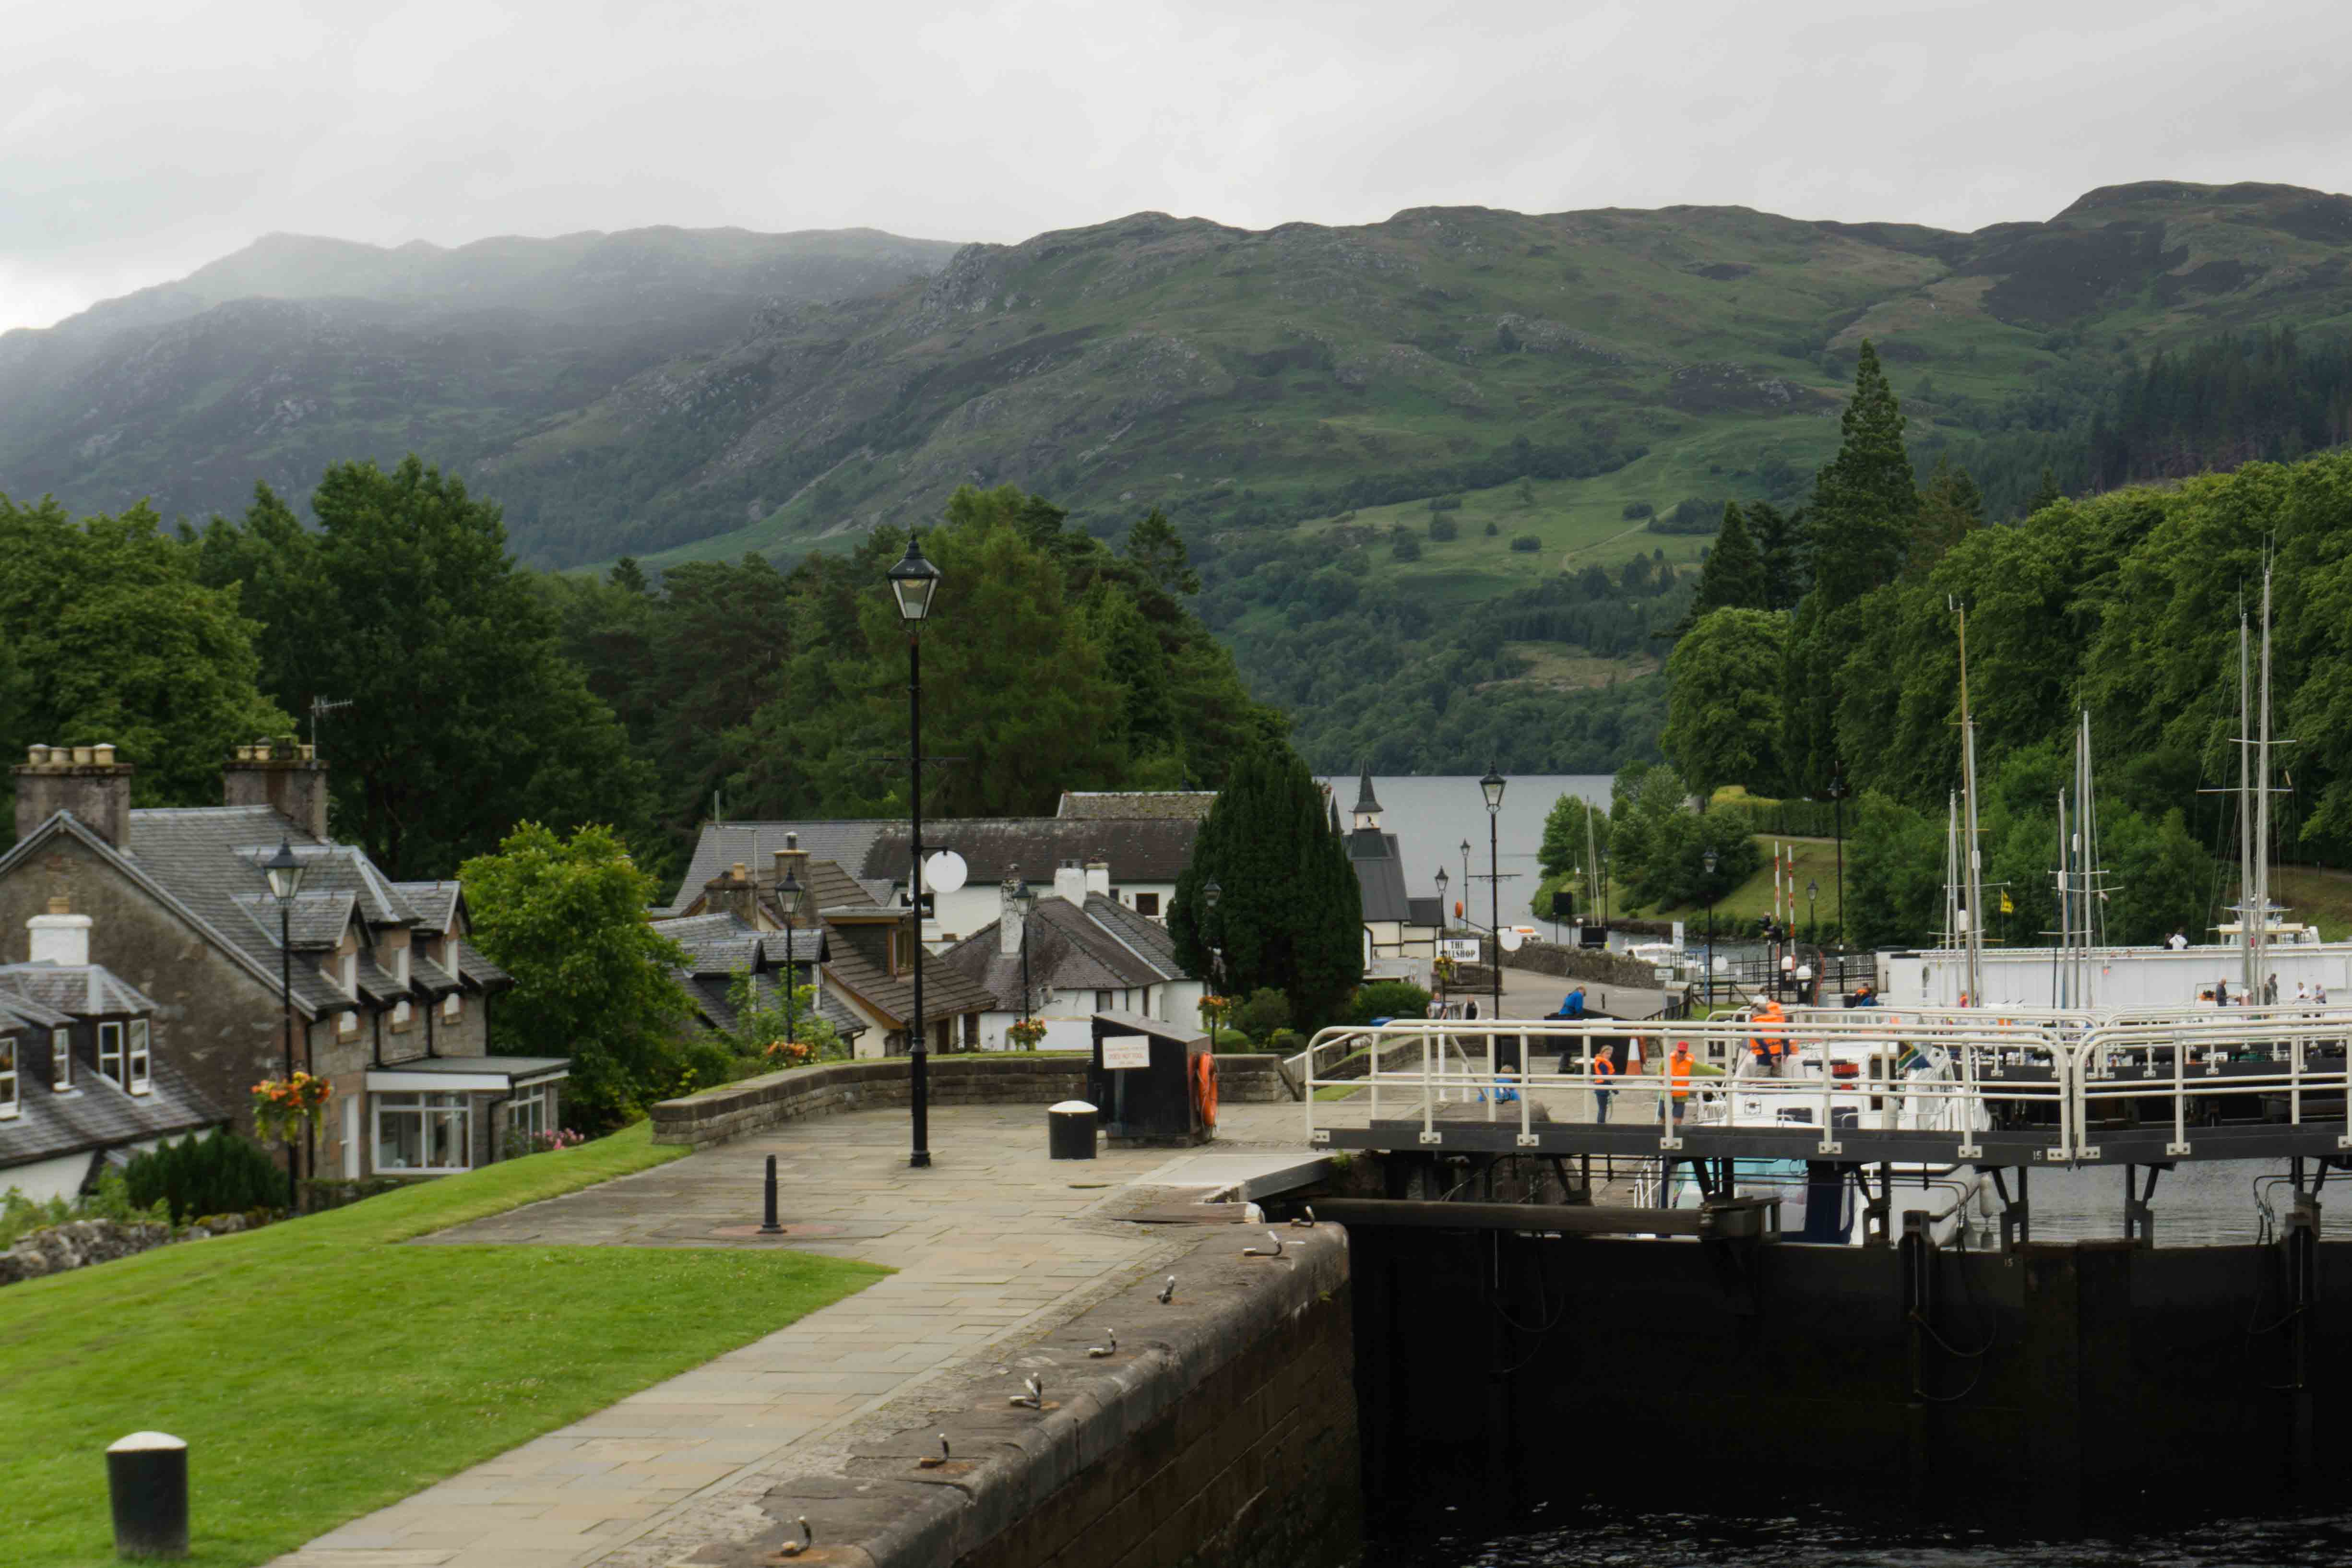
(320, 708)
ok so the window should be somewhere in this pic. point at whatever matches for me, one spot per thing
(7, 1075)
(529, 1114)
(346, 974)
(422, 1133)
(109, 1052)
(61, 1059)
(1102, 1001)
(140, 1059)
(399, 1016)
(1147, 904)
(400, 963)
(453, 1007)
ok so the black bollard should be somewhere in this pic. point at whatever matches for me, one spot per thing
(767, 1226)
(147, 1477)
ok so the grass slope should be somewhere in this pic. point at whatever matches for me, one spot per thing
(1752, 899)
(319, 1370)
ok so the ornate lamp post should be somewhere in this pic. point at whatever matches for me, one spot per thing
(1837, 805)
(285, 872)
(1465, 881)
(1442, 880)
(1492, 787)
(790, 898)
(1707, 860)
(1019, 900)
(913, 582)
(1813, 920)
(1210, 896)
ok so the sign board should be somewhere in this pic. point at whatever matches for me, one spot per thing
(1127, 1051)
(1463, 949)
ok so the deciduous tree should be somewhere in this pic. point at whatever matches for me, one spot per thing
(1723, 704)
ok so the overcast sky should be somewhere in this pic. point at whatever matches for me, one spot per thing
(140, 140)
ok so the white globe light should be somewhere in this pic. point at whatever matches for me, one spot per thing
(1511, 940)
(945, 872)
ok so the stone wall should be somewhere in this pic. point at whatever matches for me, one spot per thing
(716, 1115)
(1250, 1078)
(78, 1243)
(1582, 964)
(1222, 1433)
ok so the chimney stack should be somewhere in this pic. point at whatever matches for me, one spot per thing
(83, 779)
(733, 892)
(1098, 875)
(1070, 883)
(59, 937)
(288, 778)
(794, 861)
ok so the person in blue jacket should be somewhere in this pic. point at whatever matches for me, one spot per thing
(1572, 1005)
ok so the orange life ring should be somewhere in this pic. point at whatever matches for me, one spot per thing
(1204, 1088)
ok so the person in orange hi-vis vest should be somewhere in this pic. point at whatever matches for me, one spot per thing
(1678, 1069)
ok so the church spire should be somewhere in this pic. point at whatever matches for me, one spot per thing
(1367, 807)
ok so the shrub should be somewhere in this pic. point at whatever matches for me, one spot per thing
(220, 1173)
(1492, 528)
(1444, 503)
(1404, 546)
(1526, 543)
(1265, 1011)
(1636, 510)
(1386, 999)
(1441, 529)
(1231, 1040)
(1286, 1042)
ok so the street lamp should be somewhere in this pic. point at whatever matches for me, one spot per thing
(1442, 879)
(285, 872)
(790, 898)
(1707, 860)
(1210, 896)
(1465, 881)
(1812, 921)
(913, 582)
(1837, 806)
(1492, 787)
(1018, 901)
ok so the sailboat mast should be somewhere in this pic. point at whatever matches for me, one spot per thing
(1972, 859)
(2245, 813)
(2259, 946)
(2060, 975)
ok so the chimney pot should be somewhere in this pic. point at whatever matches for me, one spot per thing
(741, 874)
(37, 755)
(103, 753)
(791, 841)
(84, 756)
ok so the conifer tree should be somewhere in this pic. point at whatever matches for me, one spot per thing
(1779, 543)
(1865, 499)
(1949, 507)
(1733, 576)
(1289, 913)
(2046, 493)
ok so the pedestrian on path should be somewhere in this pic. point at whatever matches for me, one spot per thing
(1604, 1071)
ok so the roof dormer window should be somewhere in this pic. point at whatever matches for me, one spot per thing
(60, 1059)
(110, 1053)
(7, 1075)
(141, 1060)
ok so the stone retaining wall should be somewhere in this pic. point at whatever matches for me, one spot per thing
(716, 1115)
(1222, 1432)
(78, 1243)
(1582, 964)
(1250, 1078)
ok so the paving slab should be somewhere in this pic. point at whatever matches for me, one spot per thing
(995, 1244)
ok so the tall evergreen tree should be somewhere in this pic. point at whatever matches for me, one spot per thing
(1949, 507)
(1865, 499)
(1289, 912)
(1733, 576)
(2046, 493)
(1779, 541)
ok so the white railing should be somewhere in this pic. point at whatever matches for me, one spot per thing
(1952, 1070)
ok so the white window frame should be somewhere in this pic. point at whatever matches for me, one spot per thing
(61, 1059)
(427, 1109)
(400, 1014)
(348, 974)
(141, 1056)
(529, 1110)
(8, 1076)
(453, 1007)
(400, 963)
(110, 1053)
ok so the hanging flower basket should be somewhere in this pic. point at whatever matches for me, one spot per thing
(1025, 1034)
(1214, 1010)
(284, 1109)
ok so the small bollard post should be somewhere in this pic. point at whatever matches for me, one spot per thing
(147, 1480)
(768, 1225)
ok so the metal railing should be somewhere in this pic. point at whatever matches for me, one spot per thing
(2051, 1083)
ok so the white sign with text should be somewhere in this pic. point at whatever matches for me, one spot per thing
(1127, 1051)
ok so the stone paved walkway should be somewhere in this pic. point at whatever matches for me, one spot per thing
(994, 1244)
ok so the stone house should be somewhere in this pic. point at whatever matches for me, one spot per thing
(86, 1072)
(1086, 954)
(722, 948)
(866, 970)
(390, 1002)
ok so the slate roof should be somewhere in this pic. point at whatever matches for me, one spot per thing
(435, 903)
(1379, 874)
(720, 944)
(1428, 909)
(478, 972)
(1099, 806)
(16, 1011)
(83, 989)
(857, 965)
(96, 1115)
(429, 978)
(1104, 946)
(753, 845)
(1138, 850)
(376, 983)
(315, 924)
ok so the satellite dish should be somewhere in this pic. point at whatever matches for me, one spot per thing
(1511, 940)
(944, 872)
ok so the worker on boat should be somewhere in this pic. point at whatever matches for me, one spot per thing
(1604, 1071)
(1769, 1044)
(2178, 940)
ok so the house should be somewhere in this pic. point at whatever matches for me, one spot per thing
(390, 1001)
(866, 972)
(86, 1073)
(1401, 932)
(1143, 854)
(723, 949)
(1086, 954)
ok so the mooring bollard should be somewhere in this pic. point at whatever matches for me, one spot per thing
(147, 1479)
(767, 1226)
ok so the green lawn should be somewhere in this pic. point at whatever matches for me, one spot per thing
(1752, 899)
(318, 1371)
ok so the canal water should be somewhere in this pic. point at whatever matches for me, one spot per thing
(1602, 1536)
